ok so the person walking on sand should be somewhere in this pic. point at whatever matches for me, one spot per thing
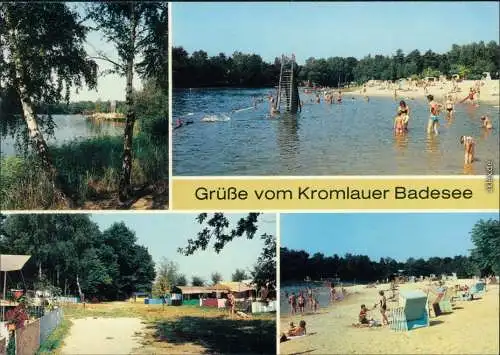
(434, 115)
(469, 146)
(310, 298)
(332, 293)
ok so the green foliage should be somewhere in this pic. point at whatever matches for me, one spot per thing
(264, 273)
(55, 339)
(486, 238)
(167, 277)
(197, 281)
(215, 278)
(239, 275)
(217, 227)
(109, 264)
(198, 70)
(297, 265)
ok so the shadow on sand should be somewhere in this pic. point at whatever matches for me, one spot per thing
(220, 334)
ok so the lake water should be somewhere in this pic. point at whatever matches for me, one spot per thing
(352, 138)
(68, 128)
(320, 290)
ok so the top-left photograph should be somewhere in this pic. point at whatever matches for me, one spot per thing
(84, 105)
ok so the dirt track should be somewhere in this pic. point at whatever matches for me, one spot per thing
(103, 336)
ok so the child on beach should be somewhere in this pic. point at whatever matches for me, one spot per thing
(363, 320)
(469, 145)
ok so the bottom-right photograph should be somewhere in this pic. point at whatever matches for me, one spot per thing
(389, 283)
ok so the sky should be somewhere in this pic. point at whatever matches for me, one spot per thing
(324, 30)
(163, 234)
(109, 87)
(397, 235)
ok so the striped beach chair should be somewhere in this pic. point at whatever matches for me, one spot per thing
(412, 312)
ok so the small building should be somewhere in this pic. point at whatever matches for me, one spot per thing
(240, 290)
(193, 294)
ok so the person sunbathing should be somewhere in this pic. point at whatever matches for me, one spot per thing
(297, 331)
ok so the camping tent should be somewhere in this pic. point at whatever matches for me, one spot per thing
(10, 263)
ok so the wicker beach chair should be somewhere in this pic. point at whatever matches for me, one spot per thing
(445, 304)
(412, 312)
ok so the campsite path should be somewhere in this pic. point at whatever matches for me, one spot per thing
(104, 336)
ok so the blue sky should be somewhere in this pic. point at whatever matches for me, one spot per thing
(331, 29)
(163, 234)
(396, 235)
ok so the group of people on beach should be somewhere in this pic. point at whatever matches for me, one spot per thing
(300, 302)
(365, 321)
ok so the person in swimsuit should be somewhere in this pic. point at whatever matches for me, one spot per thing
(470, 96)
(399, 123)
(383, 308)
(301, 302)
(292, 300)
(332, 293)
(310, 298)
(486, 122)
(363, 320)
(434, 115)
(469, 145)
(405, 110)
(318, 100)
(339, 98)
(449, 107)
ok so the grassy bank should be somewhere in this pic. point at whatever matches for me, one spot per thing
(189, 329)
(54, 342)
(90, 168)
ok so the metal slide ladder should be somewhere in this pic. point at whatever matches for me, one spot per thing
(287, 88)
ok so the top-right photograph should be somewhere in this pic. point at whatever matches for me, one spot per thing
(324, 89)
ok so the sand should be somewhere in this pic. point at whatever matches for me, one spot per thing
(472, 328)
(103, 336)
(490, 91)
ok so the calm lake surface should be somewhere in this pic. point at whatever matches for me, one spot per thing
(68, 128)
(352, 138)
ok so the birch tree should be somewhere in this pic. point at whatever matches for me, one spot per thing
(135, 29)
(42, 57)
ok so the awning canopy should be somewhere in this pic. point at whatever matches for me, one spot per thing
(13, 262)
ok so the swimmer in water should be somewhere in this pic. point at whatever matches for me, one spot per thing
(469, 145)
(486, 122)
(399, 126)
(434, 115)
(449, 107)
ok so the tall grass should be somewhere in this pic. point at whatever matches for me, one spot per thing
(90, 168)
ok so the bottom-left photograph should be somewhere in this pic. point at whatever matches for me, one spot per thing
(122, 283)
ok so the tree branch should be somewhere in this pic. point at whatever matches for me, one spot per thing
(106, 59)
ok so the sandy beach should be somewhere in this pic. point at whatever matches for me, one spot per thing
(490, 91)
(472, 328)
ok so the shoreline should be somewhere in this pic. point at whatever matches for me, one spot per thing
(490, 92)
(331, 331)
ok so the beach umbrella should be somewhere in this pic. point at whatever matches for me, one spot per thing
(10, 263)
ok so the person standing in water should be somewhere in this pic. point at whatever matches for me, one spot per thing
(434, 115)
(449, 107)
(399, 123)
(469, 145)
(486, 122)
(404, 109)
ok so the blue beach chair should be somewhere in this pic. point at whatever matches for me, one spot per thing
(478, 289)
(412, 313)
